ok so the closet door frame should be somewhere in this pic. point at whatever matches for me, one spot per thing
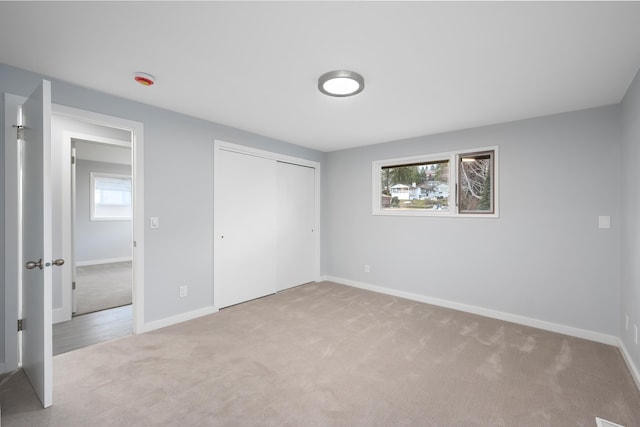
(242, 149)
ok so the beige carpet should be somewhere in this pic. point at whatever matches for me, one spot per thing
(330, 355)
(103, 286)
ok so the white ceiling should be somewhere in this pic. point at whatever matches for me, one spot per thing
(429, 67)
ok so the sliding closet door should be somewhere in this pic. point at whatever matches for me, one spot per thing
(245, 227)
(295, 224)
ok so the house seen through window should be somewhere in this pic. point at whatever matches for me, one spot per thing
(447, 184)
(416, 186)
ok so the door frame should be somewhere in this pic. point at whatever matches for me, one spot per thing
(65, 312)
(13, 225)
(243, 149)
(12, 220)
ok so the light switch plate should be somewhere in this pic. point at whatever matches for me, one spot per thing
(154, 222)
(604, 221)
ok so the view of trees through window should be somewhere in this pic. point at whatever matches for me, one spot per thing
(476, 189)
(416, 186)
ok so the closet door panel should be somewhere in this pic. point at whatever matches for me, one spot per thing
(295, 219)
(245, 228)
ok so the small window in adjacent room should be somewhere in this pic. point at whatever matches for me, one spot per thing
(110, 197)
(460, 183)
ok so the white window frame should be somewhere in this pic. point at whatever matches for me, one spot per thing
(453, 158)
(92, 197)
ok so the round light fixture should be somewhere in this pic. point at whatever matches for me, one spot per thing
(144, 79)
(341, 83)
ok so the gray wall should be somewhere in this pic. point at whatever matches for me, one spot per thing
(178, 182)
(630, 202)
(98, 240)
(544, 258)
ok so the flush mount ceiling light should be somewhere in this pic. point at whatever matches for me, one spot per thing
(144, 79)
(341, 83)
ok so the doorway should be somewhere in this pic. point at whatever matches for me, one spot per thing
(93, 297)
(101, 220)
(58, 234)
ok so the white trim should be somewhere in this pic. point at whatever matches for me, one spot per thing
(102, 261)
(173, 320)
(12, 251)
(237, 148)
(635, 372)
(509, 317)
(59, 315)
(100, 139)
(137, 172)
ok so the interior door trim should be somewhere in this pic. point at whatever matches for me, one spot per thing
(137, 172)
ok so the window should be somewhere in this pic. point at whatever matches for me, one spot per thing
(475, 176)
(110, 197)
(422, 185)
(457, 183)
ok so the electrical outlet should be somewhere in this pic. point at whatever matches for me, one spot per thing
(183, 291)
(367, 269)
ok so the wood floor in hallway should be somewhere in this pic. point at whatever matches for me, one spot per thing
(89, 329)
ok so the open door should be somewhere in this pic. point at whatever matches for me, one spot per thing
(37, 357)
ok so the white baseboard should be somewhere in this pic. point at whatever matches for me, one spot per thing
(163, 323)
(514, 318)
(58, 315)
(635, 373)
(102, 261)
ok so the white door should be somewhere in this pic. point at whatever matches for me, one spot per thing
(37, 243)
(295, 225)
(245, 224)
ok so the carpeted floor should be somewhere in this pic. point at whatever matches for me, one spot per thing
(331, 355)
(103, 286)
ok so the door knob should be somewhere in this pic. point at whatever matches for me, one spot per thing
(32, 264)
(58, 262)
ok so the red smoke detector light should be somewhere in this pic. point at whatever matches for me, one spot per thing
(145, 79)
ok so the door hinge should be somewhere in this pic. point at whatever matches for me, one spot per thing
(73, 286)
(20, 325)
(135, 244)
(19, 131)
(73, 160)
